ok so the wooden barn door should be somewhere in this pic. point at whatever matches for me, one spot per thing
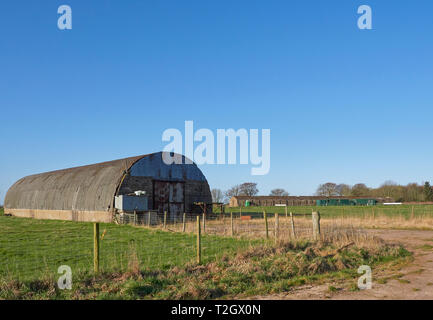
(169, 196)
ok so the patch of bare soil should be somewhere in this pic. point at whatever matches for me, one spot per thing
(414, 281)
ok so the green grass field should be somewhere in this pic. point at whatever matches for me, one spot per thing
(141, 263)
(340, 211)
(30, 248)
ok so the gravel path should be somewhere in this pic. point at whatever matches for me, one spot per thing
(414, 281)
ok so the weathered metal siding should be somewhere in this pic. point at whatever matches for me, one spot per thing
(169, 196)
(151, 171)
(196, 191)
(131, 203)
(87, 193)
(86, 188)
(153, 166)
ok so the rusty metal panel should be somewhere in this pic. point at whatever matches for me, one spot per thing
(176, 192)
(176, 209)
(161, 194)
(169, 196)
(177, 198)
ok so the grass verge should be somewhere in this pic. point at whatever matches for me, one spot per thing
(31, 249)
(257, 270)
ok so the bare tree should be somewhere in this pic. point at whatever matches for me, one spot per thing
(328, 189)
(360, 190)
(343, 189)
(232, 192)
(412, 192)
(389, 189)
(217, 195)
(279, 192)
(389, 183)
(248, 189)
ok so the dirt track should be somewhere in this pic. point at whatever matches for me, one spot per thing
(414, 281)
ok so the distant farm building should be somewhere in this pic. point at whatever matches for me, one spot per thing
(268, 201)
(347, 202)
(99, 191)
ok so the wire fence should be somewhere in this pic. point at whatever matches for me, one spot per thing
(27, 253)
(32, 249)
(407, 211)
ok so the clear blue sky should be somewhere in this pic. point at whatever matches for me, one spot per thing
(343, 104)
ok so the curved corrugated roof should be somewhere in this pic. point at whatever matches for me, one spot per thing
(87, 188)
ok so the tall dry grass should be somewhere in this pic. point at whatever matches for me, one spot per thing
(338, 231)
(383, 222)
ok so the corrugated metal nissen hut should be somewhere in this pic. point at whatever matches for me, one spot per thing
(99, 192)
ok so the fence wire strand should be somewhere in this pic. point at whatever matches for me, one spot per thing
(30, 249)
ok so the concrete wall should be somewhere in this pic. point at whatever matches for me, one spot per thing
(73, 215)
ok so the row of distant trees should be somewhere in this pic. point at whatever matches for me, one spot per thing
(244, 189)
(400, 193)
(389, 189)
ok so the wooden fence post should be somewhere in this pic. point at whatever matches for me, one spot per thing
(266, 224)
(184, 222)
(292, 223)
(204, 222)
(412, 214)
(148, 219)
(316, 225)
(277, 227)
(373, 213)
(240, 211)
(165, 219)
(232, 233)
(96, 247)
(285, 210)
(135, 218)
(198, 240)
